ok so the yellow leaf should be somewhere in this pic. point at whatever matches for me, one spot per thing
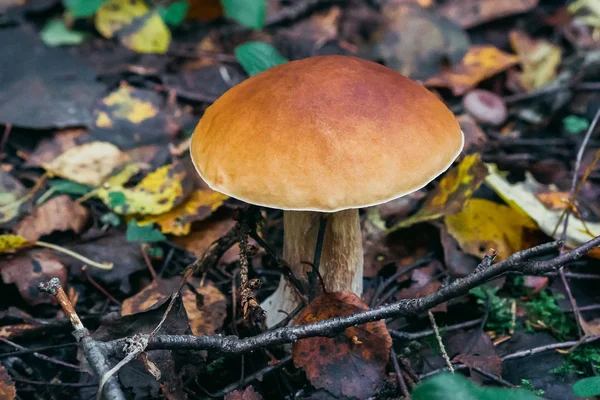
(481, 62)
(520, 198)
(123, 105)
(157, 193)
(88, 164)
(10, 243)
(539, 60)
(197, 207)
(483, 225)
(454, 190)
(137, 27)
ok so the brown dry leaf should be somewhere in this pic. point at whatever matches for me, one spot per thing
(455, 189)
(416, 42)
(12, 195)
(483, 225)
(206, 311)
(536, 283)
(204, 10)
(554, 200)
(590, 328)
(28, 269)
(248, 394)
(88, 164)
(350, 364)
(204, 234)
(475, 137)
(57, 214)
(539, 60)
(198, 206)
(7, 386)
(50, 148)
(480, 62)
(476, 350)
(423, 284)
(469, 13)
(320, 27)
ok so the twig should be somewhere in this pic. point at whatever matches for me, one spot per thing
(42, 356)
(148, 262)
(250, 306)
(398, 371)
(440, 341)
(493, 377)
(520, 262)
(428, 332)
(91, 280)
(106, 266)
(7, 130)
(313, 276)
(91, 348)
(59, 384)
(36, 350)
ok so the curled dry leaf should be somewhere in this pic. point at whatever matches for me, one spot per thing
(57, 214)
(454, 190)
(539, 60)
(483, 225)
(248, 394)
(469, 13)
(88, 164)
(157, 193)
(350, 364)
(206, 308)
(7, 386)
(480, 62)
(198, 206)
(28, 269)
(134, 25)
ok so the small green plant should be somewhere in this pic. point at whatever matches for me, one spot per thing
(579, 360)
(500, 314)
(543, 312)
(526, 384)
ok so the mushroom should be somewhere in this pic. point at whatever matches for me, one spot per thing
(324, 136)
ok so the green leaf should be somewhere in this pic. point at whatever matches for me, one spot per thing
(455, 386)
(587, 387)
(111, 219)
(257, 57)
(69, 187)
(574, 124)
(143, 233)
(116, 199)
(82, 8)
(175, 13)
(250, 13)
(55, 33)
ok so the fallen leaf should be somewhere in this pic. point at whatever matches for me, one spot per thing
(480, 62)
(554, 200)
(521, 199)
(43, 87)
(10, 243)
(56, 33)
(248, 394)
(536, 283)
(7, 386)
(416, 41)
(204, 233)
(483, 225)
(459, 263)
(57, 214)
(138, 28)
(539, 60)
(206, 310)
(49, 148)
(475, 350)
(198, 206)
(30, 268)
(204, 10)
(143, 234)
(11, 194)
(423, 284)
(88, 164)
(454, 190)
(256, 57)
(350, 364)
(159, 192)
(469, 13)
(475, 138)
(250, 14)
(590, 328)
(82, 8)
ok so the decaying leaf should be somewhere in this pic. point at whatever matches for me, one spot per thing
(137, 27)
(207, 232)
(455, 189)
(483, 225)
(157, 193)
(475, 350)
(469, 13)
(423, 284)
(350, 364)
(206, 308)
(480, 62)
(88, 164)
(248, 394)
(524, 201)
(57, 214)
(417, 42)
(11, 243)
(474, 135)
(30, 268)
(198, 206)
(11, 194)
(7, 386)
(539, 60)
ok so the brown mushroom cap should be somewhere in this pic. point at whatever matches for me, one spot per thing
(325, 134)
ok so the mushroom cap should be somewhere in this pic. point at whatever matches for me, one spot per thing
(325, 133)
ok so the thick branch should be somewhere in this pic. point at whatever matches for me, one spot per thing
(519, 262)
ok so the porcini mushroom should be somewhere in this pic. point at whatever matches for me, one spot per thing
(326, 136)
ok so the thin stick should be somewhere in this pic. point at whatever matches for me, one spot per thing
(98, 286)
(42, 356)
(148, 262)
(106, 266)
(398, 371)
(440, 342)
(313, 278)
(7, 130)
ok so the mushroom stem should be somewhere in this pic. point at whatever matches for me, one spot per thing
(341, 259)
